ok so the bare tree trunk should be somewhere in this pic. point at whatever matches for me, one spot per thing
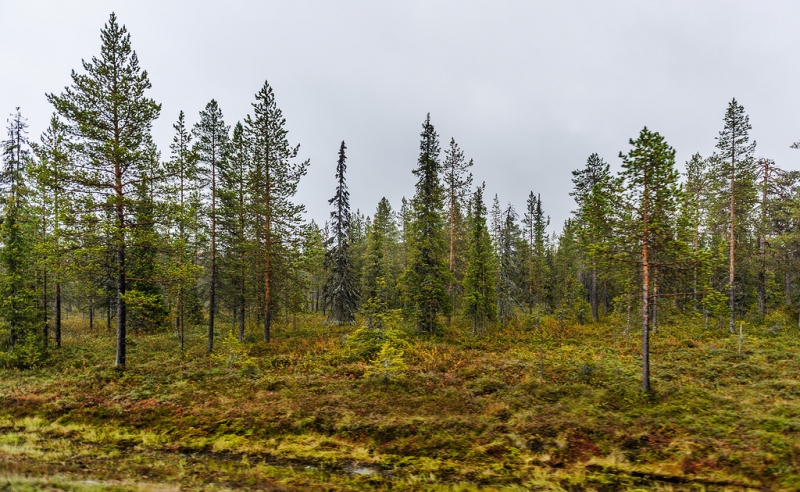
(212, 304)
(645, 301)
(731, 287)
(654, 302)
(762, 246)
(46, 327)
(593, 293)
(267, 264)
(787, 289)
(58, 314)
(181, 320)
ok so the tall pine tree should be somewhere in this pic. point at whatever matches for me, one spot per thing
(110, 118)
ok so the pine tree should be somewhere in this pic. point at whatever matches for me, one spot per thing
(594, 192)
(236, 224)
(184, 183)
(109, 118)
(734, 164)
(651, 192)
(426, 277)
(694, 210)
(211, 147)
(479, 288)
(340, 291)
(457, 183)
(273, 181)
(54, 210)
(536, 223)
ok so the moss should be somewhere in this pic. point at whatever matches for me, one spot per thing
(472, 412)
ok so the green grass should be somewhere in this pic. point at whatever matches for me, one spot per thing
(491, 412)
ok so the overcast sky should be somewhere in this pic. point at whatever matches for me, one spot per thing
(528, 89)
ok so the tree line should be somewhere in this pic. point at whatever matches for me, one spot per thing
(95, 217)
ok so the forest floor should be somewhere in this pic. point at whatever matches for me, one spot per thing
(513, 409)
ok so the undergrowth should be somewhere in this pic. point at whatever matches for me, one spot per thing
(544, 406)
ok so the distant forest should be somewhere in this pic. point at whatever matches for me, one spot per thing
(96, 220)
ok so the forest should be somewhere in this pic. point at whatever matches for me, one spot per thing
(172, 317)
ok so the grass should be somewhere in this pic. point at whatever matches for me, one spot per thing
(508, 410)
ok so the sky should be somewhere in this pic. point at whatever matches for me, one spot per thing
(528, 89)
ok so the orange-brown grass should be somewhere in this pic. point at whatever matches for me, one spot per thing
(549, 407)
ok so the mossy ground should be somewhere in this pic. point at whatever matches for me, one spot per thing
(513, 409)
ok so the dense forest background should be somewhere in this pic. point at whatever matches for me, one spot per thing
(97, 222)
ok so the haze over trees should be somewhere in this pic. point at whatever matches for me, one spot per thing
(96, 218)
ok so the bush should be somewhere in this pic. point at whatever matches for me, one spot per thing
(388, 365)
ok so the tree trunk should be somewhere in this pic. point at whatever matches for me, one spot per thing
(762, 245)
(46, 327)
(731, 287)
(267, 265)
(645, 302)
(58, 314)
(120, 361)
(212, 304)
(787, 289)
(241, 318)
(593, 293)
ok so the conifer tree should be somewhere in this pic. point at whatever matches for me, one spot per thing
(536, 223)
(735, 167)
(211, 148)
(651, 192)
(694, 209)
(457, 183)
(273, 181)
(236, 224)
(340, 290)
(54, 210)
(379, 272)
(426, 277)
(17, 290)
(594, 191)
(185, 183)
(509, 266)
(479, 288)
(109, 119)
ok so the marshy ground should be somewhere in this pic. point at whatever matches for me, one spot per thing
(556, 408)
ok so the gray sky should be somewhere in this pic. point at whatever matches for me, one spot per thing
(528, 89)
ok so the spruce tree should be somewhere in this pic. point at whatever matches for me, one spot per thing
(340, 290)
(379, 271)
(479, 288)
(18, 305)
(109, 118)
(427, 276)
(594, 193)
(509, 265)
(211, 148)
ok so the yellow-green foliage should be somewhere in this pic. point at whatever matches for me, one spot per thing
(552, 408)
(234, 355)
(388, 365)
